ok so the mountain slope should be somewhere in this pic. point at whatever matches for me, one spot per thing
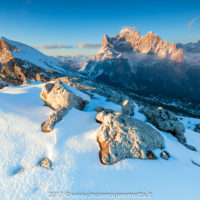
(19, 63)
(73, 150)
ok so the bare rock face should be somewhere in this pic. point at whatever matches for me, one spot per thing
(56, 96)
(152, 43)
(128, 107)
(99, 109)
(165, 121)
(131, 41)
(126, 103)
(18, 70)
(5, 49)
(123, 137)
(151, 155)
(57, 116)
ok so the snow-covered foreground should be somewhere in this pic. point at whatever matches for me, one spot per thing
(73, 150)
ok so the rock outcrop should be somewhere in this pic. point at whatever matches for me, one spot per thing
(20, 63)
(165, 155)
(99, 109)
(127, 104)
(57, 96)
(121, 137)
(166, 121)
(46, 163)
(128, 107)
(57, 116)
(61, 99)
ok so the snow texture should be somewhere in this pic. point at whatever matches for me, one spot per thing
(74, 153)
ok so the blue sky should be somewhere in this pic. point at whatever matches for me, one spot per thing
(60, 25)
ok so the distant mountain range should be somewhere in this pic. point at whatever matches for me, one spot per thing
(73, 63)
(147, 64)
(142, 64)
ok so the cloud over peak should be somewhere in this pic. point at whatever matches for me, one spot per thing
(54, 46)
(135, 29)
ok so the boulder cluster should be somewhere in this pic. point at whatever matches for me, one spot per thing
(167, 121)
(120, 135)
(60, 99)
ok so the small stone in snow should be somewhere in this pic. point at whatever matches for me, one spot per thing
(46, 163)
(165, 155)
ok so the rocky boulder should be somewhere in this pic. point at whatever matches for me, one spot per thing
(57, 96)
(2, 83)
(128, 107)
(46, 163)
(121, 137)
(60, 98)
(165, 155)
(99, 109)
(165, 121)
(57, 116)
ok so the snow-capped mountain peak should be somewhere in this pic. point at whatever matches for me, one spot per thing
(131, 41)
(144, 63)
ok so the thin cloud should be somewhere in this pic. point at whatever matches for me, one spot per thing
(192, 22)
(54, 46)
(135, 29)
(88, 46)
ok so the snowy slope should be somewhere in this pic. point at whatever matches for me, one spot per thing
(73, 149)
(34, 56)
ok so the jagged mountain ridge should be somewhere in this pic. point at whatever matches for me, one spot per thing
(130, 41)
(145, 64)
(191, 47)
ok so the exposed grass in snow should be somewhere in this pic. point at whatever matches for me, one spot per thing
(74, 152)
